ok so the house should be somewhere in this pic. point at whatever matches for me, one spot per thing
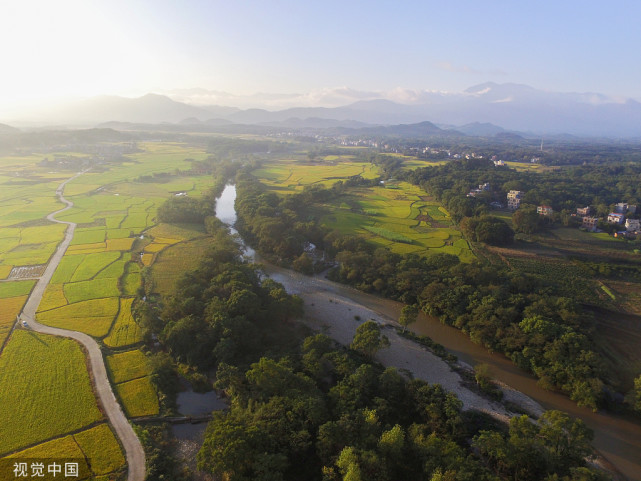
(590, 223)
(632, 225)
(615, 218)
(498, 163)
(544, 210)
(514, 199)
(623, 208)
(583, 211)
(485, 186)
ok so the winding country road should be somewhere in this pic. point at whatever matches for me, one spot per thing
(133, 449)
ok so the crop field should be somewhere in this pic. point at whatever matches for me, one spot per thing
(138, 397)
(101, 448)
(15, 288)
(9, 309)
(92, 264)
(93, 289)
(177, 258)
(173, 262)
(125, 366)
(44, 390)
(5, 271)
(125, 331)
(93, 316)
(287, 176)
(399, 216)
(131, 279)
(97, 446)
(130, 374)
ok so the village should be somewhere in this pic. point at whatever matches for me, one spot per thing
(622, 222)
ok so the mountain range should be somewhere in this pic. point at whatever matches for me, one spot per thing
(484, 109)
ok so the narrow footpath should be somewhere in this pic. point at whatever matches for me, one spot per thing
(133, 448)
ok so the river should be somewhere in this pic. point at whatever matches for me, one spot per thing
(617, 439)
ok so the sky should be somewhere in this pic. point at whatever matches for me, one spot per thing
(81, 48)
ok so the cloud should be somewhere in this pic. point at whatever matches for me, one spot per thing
(324, 97)
(466, 69)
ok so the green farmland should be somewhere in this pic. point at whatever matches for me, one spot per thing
(45, 391)
(396, 215)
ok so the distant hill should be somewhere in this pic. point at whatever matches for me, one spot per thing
(316, 123)
(484, 110)
(418, 130)
(7, 129)
(478, 129)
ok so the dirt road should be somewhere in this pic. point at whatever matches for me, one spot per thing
(130, 442)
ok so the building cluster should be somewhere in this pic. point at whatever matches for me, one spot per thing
(618, 217)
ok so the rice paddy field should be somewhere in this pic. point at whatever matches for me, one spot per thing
(396, 215)
(178, 257)
(45, 391)
(48, 405)
(97, 447)
(130, 374)
(287, 176)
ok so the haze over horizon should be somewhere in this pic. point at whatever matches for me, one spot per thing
(331, 51)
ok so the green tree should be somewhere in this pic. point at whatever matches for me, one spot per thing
(634, 396)
(304, 264)
(368, 339)
(409, 314)
(526, 220)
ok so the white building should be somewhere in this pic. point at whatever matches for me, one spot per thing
(514, 199)
(632, 225)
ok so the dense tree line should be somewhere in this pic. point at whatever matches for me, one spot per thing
(279, 227)
(325, 413)
(505, 311)
(223, 312)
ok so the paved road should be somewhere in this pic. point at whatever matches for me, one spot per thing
(133, 449)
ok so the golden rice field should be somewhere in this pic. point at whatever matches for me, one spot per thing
(44, 390)
(9, 309)
(96, 446)
(93, 316)
(130, 373)
(173, 262)
(287, 176)
(125, 331)
(125, 366)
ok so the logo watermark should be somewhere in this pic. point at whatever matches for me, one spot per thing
(46, 469)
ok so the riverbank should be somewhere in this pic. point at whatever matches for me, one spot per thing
(328, 310)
